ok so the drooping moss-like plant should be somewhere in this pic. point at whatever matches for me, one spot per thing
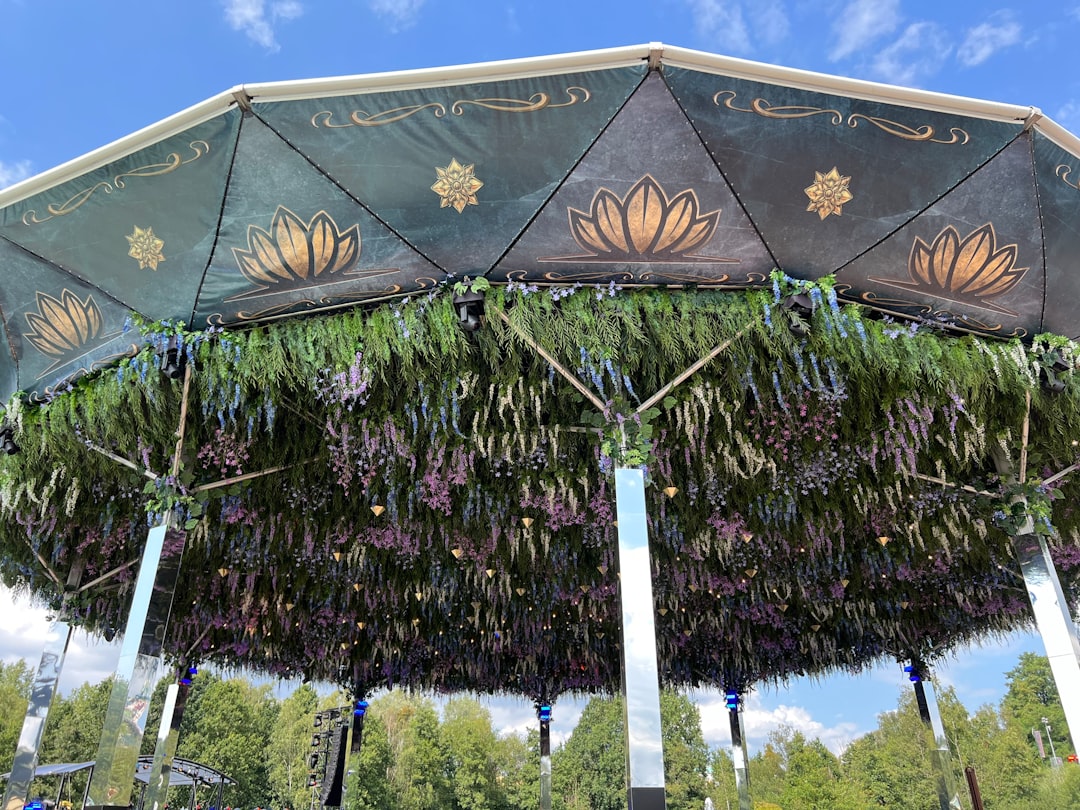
(441, 515)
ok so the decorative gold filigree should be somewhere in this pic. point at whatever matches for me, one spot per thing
(535, 102)
(457, 186)
(971, 271)
(63, 325)
(1063, 170)
(294, 251)
(145, 248)
(643, 226)
(171, 163)
(761, 107)
(828, 193)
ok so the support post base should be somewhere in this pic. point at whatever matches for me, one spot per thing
(646, 798)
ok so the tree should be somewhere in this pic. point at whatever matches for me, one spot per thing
(1032, 695)
(15, 681)
(517, 770)
(686, 757)
(589, 770)
(815, 779)
(419, 775)
(368, 786)
(290, 746)
(469, 742)
(228, 725)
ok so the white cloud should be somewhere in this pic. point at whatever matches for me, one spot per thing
(401, 13)
(255, 19)
(12, 173)
(770, 21)
(759, 721)
(986, 39)
(1068, 114)
(919, 52)
(23, 634)
(861, 23)
(723, 23)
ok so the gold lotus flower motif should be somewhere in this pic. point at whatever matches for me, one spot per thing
(145, 248)
(828, 193)
(63, 325)
(297, 251)
(643, 225)
(971, 269)
(457, 186)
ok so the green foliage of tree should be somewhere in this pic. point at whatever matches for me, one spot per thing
(1033, 695)
(686, 757)
(228, 725)
(517, 770)
(290, 747)
(420, 772)
(368, 785)
(469, 742)
(73, 730)
(15, 680)
(722, 788)
(589, 771)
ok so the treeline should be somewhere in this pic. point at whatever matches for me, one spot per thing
(413, 759)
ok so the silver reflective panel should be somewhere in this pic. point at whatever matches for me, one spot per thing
(137, 669)
(545, 766)
(41, 695)
(641, 683)
(1055, 624)
(948, 797)
(164, 750)
(739, 759)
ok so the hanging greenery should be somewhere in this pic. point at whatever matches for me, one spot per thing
(440, 514)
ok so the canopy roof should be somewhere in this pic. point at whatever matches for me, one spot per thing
(287, 198)
(438, 510)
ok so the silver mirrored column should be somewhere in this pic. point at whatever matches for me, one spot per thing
(1054, 621)
(948, 797)
(137, 669)
(41, 695)
(641, 680)
(739, 758)
(543, 714)
(172, 715)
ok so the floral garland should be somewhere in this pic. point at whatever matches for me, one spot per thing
(441, 515)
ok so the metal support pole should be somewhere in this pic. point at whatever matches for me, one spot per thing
(948, 797)
(137, 668)
(739, 757)
(543, 713)
(172, 714)
(41, 695)
(1055, 623)
(1051, 609)
(641, 681)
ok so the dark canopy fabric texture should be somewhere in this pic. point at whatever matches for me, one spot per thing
(283, 205)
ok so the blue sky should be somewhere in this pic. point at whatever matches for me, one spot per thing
(79, 75)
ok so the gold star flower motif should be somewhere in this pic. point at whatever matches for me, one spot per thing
(145, 248)
(828, 193)
(457, 186)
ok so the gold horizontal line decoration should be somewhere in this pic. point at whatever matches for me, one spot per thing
(766, 110)
(924, 133)
(171, 163)
(535, 102)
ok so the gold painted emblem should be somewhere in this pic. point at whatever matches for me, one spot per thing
(645, 225)
(63, 325)
(828, 193)
(972, 270)
(145, 248)
(297, 251)
(457, 186)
